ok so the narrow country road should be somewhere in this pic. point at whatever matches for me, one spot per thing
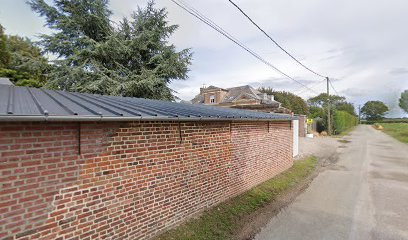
(362, 195)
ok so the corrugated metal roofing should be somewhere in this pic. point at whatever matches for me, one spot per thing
(5, 81)
(32, 104)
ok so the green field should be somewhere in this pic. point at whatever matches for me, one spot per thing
(397, 130)
(222, 221)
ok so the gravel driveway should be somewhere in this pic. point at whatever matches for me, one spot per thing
(321, 147)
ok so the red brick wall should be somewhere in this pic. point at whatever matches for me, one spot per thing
(131, 180)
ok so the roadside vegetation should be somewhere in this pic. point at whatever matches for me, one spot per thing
(288, 100)
(222, 221)
(344, 122)
(396, 130)
(343, 115)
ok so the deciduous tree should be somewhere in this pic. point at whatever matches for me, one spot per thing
(374, 110)
(321, 100)
(288, 100)
(346, 107)
(4, 52)
(403, 101)
(21, 61)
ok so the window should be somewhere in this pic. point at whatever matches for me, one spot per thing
(212, 99)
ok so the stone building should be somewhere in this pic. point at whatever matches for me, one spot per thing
(243, 97)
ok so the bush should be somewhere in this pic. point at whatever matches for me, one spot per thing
(343, 121)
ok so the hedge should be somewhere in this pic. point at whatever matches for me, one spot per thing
(343, 121)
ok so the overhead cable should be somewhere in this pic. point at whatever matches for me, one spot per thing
(274, 41)
(207, 21)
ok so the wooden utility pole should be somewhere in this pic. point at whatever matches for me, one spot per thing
(329, 130)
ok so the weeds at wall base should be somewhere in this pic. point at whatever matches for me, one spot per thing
(223, 220)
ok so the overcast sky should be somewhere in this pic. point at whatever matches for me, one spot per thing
(361, 44)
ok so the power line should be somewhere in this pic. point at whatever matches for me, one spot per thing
(275, 42)
(301, 89)
(331, 84)
(204, 19)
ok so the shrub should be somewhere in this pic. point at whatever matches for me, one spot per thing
(343, 121)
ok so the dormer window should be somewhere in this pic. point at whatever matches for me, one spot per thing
(212, 99)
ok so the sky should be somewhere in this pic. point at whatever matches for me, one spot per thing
(360, 44)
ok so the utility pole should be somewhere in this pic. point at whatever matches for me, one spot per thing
(329, 130)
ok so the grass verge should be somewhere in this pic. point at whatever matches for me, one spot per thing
(222, 221)
(397, 130)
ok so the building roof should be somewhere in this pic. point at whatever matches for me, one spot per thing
(5, 81)
(235, 93)
(211, 87)
(32, 104)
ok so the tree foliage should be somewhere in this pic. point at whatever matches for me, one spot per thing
(21, 61)
(374, 110)
(346, 107)
(316, 112)
(337, 103)
(4, 52)
(288, 100)
(321, 100)
(403, 101)
(131, 58)
(341, 111)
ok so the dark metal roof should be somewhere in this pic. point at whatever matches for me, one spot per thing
(5, 81)
(32, 104)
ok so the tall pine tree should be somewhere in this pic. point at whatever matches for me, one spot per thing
(131, 58)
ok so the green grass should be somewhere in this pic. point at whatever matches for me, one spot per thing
(222, 221)
(397, 130)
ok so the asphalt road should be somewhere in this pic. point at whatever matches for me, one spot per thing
(363, 194)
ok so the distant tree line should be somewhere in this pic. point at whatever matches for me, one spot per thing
(343, 114)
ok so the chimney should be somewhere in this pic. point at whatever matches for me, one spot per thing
(202, 89)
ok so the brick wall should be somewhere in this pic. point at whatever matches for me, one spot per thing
(128, 180)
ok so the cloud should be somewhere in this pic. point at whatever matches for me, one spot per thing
(399, 71)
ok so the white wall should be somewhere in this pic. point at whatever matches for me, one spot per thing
(295, 129)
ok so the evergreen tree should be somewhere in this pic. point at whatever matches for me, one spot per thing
(132, 58)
